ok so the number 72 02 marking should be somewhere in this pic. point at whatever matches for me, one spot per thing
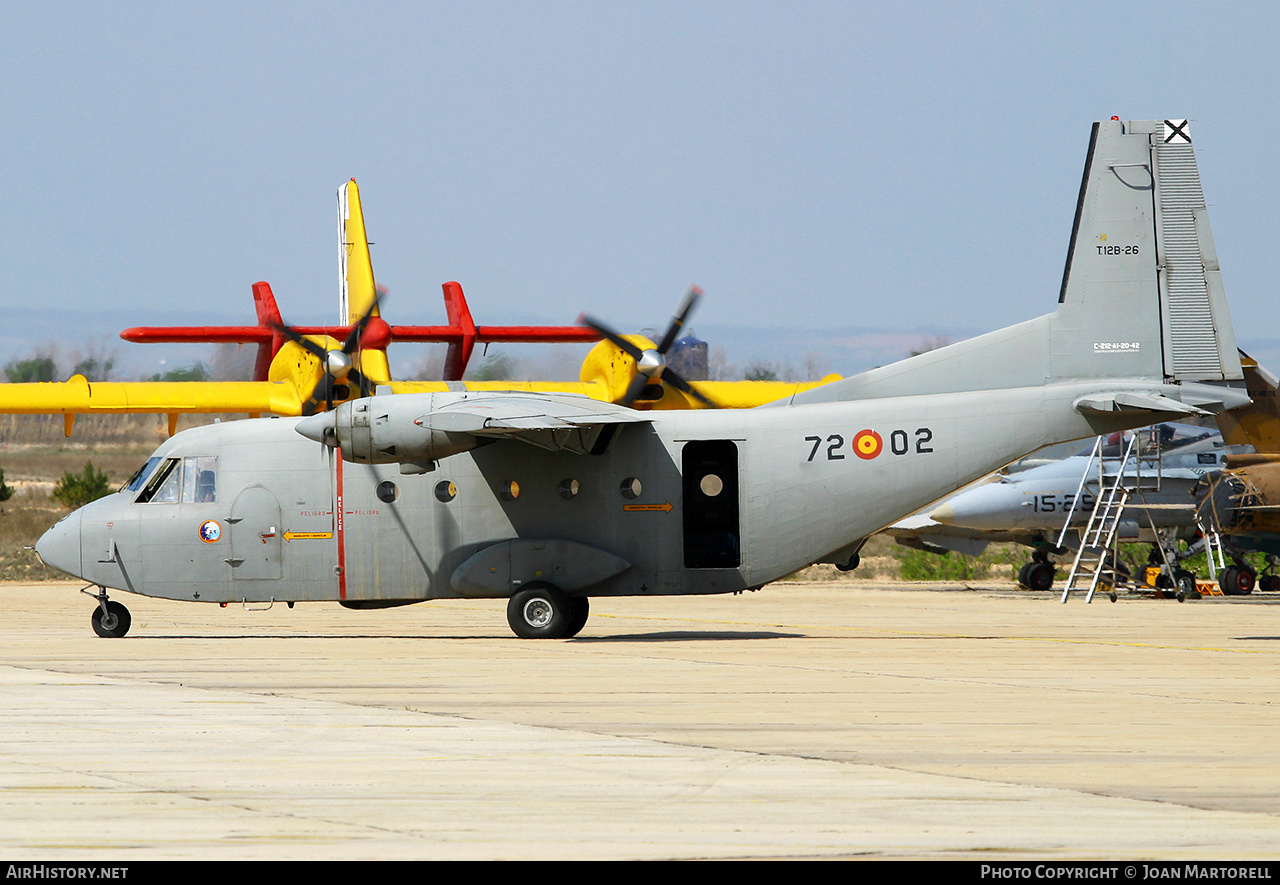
(899, 444)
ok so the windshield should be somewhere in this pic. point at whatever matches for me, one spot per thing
(191, 480)
(135, 482)
(162, 488)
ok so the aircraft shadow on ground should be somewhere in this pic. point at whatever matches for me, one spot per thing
(686, 635)
(665, 636)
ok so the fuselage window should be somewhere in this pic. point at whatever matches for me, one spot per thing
(199, 485)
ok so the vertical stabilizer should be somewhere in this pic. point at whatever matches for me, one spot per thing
(459, 352)
(1141, 294)
(264, 304)
(1142, 229)
(356, 285)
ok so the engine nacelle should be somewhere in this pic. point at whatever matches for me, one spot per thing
(390, 430)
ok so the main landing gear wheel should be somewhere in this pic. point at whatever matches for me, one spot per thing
(1038, 574)
(114, 622)
(850, 565)
(579, 607)
(1269, 583)
(1186, 583)
(1237, 581)
(541, 611)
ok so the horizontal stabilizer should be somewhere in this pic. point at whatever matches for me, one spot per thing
(1128, 401)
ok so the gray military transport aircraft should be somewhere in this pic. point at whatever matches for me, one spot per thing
(548, 500)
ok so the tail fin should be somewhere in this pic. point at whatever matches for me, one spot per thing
(1141, 293)
(459, 352)
(1142, 229)
(264, 304)
(357, 287)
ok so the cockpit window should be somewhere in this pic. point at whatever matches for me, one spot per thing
(199, 482)
(192, 480)
(135, 481)
(164, 484)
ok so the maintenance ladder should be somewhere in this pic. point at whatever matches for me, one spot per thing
(1097, 541)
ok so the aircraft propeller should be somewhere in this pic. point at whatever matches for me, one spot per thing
(651, 364)
(336, 365)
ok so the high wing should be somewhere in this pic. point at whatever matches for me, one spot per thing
(79, 396)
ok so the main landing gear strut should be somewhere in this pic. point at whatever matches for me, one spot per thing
(110, 619)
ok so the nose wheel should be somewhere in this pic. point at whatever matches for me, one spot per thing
(110, 619)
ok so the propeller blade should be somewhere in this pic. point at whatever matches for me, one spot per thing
(682, 313)
(604, 331)
(680, 384)
(309, 346)
(353, 337)
(316, 397)
(637, 384)
(651, 365)
(366, 386)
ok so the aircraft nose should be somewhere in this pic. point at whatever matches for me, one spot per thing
(986, 507)
(60, 546)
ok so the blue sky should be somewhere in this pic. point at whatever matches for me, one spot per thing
(818, 168)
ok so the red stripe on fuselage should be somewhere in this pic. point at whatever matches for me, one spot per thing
(338, 531)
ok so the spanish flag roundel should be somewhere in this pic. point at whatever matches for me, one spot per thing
(867, 444)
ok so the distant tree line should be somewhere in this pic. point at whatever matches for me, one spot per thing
(44, 367)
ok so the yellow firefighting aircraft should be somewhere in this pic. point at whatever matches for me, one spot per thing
(309, 373)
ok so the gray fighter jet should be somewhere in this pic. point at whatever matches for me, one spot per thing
(1031, 506)
(548, 501)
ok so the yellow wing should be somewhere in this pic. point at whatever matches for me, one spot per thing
(294, 373)
(81, 397)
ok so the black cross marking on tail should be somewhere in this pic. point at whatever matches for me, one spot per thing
(1176, 132)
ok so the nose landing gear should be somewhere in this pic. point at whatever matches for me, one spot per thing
(110, 619)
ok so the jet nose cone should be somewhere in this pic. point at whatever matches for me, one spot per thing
(60, 546)
(994, 506)
(322, 428)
